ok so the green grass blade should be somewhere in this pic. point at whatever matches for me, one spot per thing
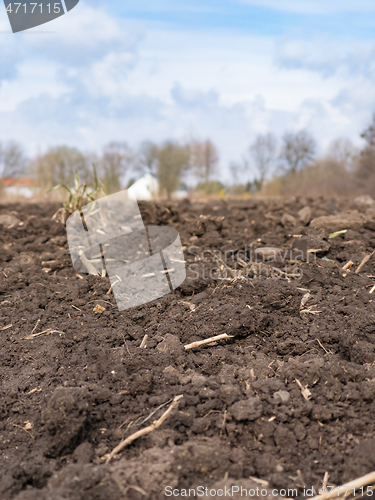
(337, 233)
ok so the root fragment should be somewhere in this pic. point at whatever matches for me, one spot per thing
(45, 332)
(304, 390)
(146, 430)
(364, 261)
(207, 341)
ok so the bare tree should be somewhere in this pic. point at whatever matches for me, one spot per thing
(173, 161)
(263, 152)
(343, 151)
(12, 160)
(366, 164)
(204, 158)
(60, 164)
(113, 165)
(297, 151)
(236, 169)
(369, 133)
(146, 160)
(366, 160)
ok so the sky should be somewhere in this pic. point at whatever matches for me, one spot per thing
(131, 70)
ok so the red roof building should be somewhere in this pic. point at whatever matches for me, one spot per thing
(20, 186)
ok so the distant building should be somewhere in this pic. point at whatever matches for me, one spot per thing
(20, 186)
(145, 188)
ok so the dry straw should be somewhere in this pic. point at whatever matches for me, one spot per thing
(349, 490)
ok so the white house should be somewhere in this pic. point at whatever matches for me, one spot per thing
(145, 188)
(20, 186)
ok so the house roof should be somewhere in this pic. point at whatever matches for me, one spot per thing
(19, 182)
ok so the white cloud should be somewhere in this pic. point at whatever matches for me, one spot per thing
(85, 37)
(78, 120)
(328, 56)
(100, 78)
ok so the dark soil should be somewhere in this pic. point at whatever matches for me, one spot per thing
(69, 396)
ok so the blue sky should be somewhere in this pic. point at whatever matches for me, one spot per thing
(228, 70)
(272, 17)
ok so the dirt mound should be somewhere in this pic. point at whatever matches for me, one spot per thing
(288, 397)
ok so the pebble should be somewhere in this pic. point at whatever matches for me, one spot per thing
(364, 199)
(288, 220)
(334, 223)
(8, 220)
(282, 397)
(305, 215)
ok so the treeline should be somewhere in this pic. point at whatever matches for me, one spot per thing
(117, 166)
(271, 165)
(291, 166)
